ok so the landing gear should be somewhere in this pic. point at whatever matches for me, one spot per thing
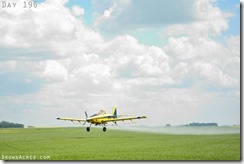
(89, 128)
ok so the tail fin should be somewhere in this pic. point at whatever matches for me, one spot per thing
(114, 111)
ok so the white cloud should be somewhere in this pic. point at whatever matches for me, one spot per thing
(55, 71)
(121, 16)
(77, 10)
(191, 48)
(209, 20)
(234, 45)
(6, 66)
(88, 72)
(51, 27)
(191, 57)
(212, 73)
(198, 17)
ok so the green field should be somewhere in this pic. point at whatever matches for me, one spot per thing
(77, 144)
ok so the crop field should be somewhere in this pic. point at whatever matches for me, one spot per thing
(77, 144)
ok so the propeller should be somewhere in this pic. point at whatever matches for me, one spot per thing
(86, 118)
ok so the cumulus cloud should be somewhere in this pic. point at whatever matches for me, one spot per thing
(54, 71)
(121, 16)
(173, 17)
(88, 72)
(234, 45)
(51, 27)
(77, 10)
(205, 57)
(210, 20)
(214, 74)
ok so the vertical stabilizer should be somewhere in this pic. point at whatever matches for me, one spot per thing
(114, 111)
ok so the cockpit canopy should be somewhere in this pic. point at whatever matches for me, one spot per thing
(102, 112)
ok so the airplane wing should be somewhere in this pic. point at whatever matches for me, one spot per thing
(125, 118)
(71, 119)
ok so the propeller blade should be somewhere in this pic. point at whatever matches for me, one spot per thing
(86, 118)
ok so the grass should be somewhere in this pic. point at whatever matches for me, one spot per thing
(77, 144)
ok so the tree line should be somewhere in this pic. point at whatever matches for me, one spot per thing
(5, 124)
(202, 124)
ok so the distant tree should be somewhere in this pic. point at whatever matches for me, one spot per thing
(202, 124)
(167, 125)
(5, 124)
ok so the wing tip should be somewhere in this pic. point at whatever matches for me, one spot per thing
(140, 117)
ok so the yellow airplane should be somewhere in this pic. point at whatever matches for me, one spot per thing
(101, 118)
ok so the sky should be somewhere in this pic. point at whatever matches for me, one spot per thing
(176, 62)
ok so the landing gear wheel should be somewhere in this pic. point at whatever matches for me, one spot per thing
(88, 129)
(104, 129)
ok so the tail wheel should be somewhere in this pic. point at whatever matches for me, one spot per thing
(104, 129)
(88, 129)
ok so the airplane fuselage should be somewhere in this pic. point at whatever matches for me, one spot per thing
(98, 120)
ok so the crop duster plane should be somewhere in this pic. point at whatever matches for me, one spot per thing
(102, 118)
